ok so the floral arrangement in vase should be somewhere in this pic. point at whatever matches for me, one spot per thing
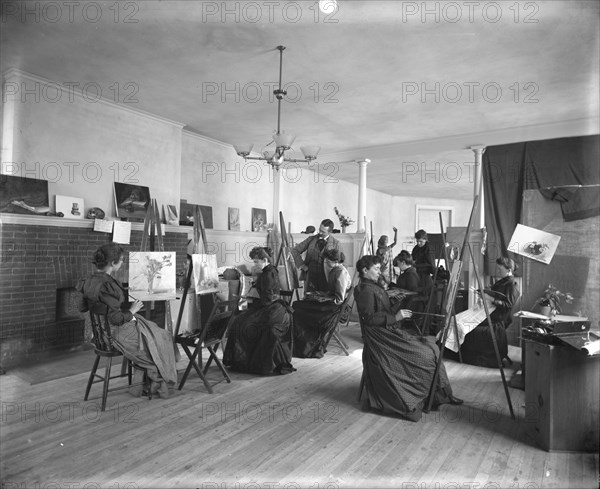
(344, 221)
(551, 299)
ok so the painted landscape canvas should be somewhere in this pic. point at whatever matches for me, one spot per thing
(20, 195)
(131, 201)
(152, 275)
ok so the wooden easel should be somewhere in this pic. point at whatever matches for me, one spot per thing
(285, 254)
(198, 235)
(152, 240)
(451, 296)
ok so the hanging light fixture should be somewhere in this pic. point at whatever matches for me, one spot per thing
(283, 140)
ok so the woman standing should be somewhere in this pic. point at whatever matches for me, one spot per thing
(385, 254)
(140, 340)
(255, 343)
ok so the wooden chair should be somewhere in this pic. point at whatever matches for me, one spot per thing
(103, 347)
(209, 336)
(342, 318)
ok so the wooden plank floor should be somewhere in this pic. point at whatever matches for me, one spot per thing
(304, 430)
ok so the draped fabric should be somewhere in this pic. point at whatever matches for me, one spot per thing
(557, 167)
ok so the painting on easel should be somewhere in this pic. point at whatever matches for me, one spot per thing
(131, 201)
(152, 275)
(533, 243)
(206, 274)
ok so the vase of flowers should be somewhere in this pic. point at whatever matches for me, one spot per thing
(549, 301)
(344, 221)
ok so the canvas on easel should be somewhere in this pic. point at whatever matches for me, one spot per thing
(206, 275)
(152, 275)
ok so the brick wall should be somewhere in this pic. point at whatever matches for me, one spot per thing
(36, 260)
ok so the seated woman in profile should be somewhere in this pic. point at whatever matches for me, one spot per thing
(140, 340)
(256, 339)
(478, 347)
(398, 366)
(318, 313)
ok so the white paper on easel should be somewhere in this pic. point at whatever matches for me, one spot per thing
(121, 232)
(206, 275)
(103, 226)
(466, 322)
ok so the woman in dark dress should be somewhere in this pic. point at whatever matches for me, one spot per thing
(478, 347)
(423, 256)
(319, 312)
(140, 340)
(398, 365)
(256, 340)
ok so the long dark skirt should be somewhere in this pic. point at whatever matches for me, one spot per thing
(148, 346)
(399, 369)
(478, 347)
(256, 341)
(313, 322)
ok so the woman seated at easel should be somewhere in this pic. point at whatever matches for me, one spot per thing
(318, 313)
(398, 366)
(255, 343)
(478, 347)
(140, 340)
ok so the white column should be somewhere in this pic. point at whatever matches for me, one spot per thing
(362, 195)
(478, 186)
(477, 224)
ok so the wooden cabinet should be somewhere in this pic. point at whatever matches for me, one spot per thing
(562, 395)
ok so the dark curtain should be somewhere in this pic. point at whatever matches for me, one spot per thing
(554, 166)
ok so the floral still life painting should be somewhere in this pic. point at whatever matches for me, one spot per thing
(206, 274)
(152, 275)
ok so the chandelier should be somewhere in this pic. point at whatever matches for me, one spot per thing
(283, 140)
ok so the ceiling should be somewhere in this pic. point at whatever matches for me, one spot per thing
(409, 85)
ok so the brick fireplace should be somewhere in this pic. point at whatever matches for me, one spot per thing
(39, 266)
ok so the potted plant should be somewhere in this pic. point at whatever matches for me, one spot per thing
(549, 302)
(344, 221)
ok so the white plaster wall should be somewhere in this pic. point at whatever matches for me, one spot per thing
(213, 175)
(82, 147)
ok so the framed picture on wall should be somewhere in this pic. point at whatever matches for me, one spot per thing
(71, 207)
(20, 195)
(259, 219)
(187, 214)
(131, 201)
(233, 214)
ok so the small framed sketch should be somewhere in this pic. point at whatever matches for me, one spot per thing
(234, 219)
(71, 207)
(259, 220)
(131, 201)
